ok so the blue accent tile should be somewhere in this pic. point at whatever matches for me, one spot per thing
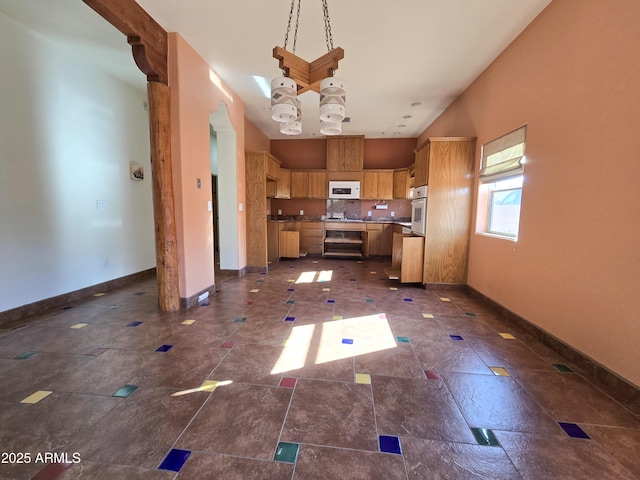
(390, 444)
(573, 430)
(164, 348)
(175, 459)
(125, 391)
(347, 341)
(287, 452)
(204, 304)
(402, 339)
(134, 324)
(25, 355)
(240, 320)
(456, 337)
(408, 299)
(331, 301)
(289, 319)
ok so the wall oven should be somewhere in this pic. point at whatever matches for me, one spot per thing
(419, 211)
(344, 189)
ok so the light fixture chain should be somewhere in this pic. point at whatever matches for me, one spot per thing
(295, 34)
(286, 35)
(327, 25)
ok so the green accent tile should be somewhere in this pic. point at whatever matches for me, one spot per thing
(290, 302)
(403, 339)
(484, 436)
(287, 452)
(470, 314)
(370, 300)
(25, 355)
(562, 368)
(125, 391)
(240, 319)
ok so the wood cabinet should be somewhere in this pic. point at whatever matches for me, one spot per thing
(311, 238)
(344, 239)
(449, 199)
(421, 176)
(273, 241)
(406, 258)
(401, 183)
(283, 185)
(377, 185)
(289, 244)
(345, 153)
(309, 184)
(261, 172)
(379, 238)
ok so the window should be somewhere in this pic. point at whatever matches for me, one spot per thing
(501, 176)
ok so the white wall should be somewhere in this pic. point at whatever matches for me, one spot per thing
(68, 133)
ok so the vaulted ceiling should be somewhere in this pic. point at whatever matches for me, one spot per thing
(405, 61)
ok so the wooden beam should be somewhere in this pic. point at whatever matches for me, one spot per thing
(163, 203)
(147, 38)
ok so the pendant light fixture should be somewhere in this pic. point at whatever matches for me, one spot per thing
(316, 76)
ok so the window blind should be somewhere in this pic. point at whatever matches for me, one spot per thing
(502, 156)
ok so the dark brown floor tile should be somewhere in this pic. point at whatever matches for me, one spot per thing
(239, 419)
(104, 471)
(465, 326)
(419, 329)
(398, 361)
(418, 408)
(447, 460)
(205, 465)
(131, 435)
(266, 333)
(450, 356)
(495, 402)
(250, 363)
(317, 360)
(500, 352)
(321, 463)
(559, 457)
(333, 414)
(568, 397)
(623, 444)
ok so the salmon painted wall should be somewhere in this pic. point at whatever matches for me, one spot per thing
(195, 93)
(389, 152)
(573, 77)
(254, 139)
(301, 154)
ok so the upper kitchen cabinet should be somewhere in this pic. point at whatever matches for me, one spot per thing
(377, 185)
(308, 184)
(283, 187)
(401, 183)
(449, 198)
(345, 153)
(421, 176)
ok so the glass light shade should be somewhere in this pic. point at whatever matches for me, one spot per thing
(332, 100)
(330, 128)
(283, 99)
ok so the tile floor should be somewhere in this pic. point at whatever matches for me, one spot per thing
(283, 376)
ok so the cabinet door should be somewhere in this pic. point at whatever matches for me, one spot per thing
(422, 166)
(283, 187)
(401, 183)
(290, 244)
(335, 155)
(385, 185)
(318, 185)
(353, 154)
(369, 185)
(386, 239)
(299, 184)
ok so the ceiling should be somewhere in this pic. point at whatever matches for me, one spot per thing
(405, 60)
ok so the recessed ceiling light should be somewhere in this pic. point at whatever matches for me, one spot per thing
(312, 134)
(416, 104)
(407, 116)
(401, 126)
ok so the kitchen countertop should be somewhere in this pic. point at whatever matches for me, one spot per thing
(300, 218)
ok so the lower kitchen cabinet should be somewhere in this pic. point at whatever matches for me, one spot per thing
(379, 237)
(406, 259)
(289, 244)
(311, 238)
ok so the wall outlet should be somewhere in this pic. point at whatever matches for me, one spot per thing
(368, 213)
(279, 212)
(301, 212)
(240, 207)
(101, 204)
(209, 206)
(393, 214)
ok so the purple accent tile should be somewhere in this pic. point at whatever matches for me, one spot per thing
(390, 444)
(97, 351)
(175, 459)
(573, 430)
(288, 382)
(164, 348)
(408, 299)
(347, 341)
(289, 319)
(331, 301)
(456, 337)
(263, 273)
(291, 289)
(352, 279)
(137, 294)
(204, 304)
(134, 324)
(432, 375)
(66, 308)
(291, 266)
(227, 345)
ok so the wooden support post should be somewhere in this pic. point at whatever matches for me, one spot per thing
(163, 201)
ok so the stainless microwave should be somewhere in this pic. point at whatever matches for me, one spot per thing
(344, 190)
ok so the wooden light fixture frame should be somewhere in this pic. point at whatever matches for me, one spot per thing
(308, 75)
